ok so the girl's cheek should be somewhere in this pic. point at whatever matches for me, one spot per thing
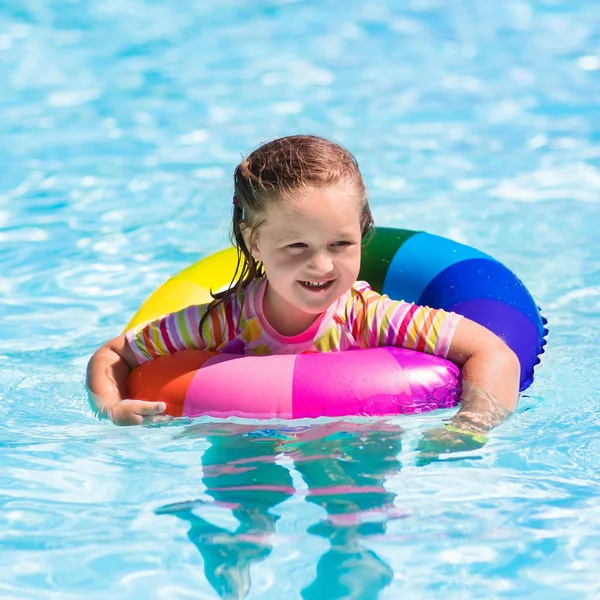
(291, 259)
(283, 262)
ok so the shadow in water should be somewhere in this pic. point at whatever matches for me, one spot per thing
(344, 465)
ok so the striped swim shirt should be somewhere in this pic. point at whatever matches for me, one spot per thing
(360, 318)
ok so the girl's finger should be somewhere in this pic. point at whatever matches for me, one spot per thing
(150, 408)
(124, 417)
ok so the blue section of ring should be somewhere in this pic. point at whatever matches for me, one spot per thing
(476, 279)
(419, 260)
(437, 272)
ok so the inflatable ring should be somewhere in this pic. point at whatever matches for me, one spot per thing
(414, 266)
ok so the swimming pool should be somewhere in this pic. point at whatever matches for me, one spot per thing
(120, 123)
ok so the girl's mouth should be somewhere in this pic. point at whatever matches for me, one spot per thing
(316, 286)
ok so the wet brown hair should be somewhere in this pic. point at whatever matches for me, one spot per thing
(271, 173)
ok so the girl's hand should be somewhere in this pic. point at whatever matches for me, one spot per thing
(107, 375)
(446, 440)
(133, 412)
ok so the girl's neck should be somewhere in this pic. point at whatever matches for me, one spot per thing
(284, 318)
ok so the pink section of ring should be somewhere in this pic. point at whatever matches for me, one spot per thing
(378, 381)
(355, 382)
(245, 386)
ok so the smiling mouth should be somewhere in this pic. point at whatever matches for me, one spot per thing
(316, 286)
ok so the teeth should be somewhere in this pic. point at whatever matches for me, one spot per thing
(315, 283)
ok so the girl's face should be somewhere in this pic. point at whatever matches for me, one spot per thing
(310, 247)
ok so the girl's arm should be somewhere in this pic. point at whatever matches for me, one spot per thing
(107, 375)
(110, 366)
(490, 369)
(490, 373)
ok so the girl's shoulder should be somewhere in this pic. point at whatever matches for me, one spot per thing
(240, 306)
(354, 299)
(360, 292)
(362, 300)
(250, 293)
(363, 287)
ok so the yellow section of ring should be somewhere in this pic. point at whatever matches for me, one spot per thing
(190, 286)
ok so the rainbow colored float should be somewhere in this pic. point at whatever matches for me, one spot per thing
(413, 266)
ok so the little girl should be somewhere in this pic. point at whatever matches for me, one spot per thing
(300, 216)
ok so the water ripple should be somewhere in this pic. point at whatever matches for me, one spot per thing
(120, 126)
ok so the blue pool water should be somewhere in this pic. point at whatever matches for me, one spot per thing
(120, 124)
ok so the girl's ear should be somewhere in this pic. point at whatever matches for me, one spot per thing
(251, 241)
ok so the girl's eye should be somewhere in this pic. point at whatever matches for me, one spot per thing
(297, 245)
(341, 244)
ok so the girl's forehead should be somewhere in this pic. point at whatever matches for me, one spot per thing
(319, 201)
(316, 214)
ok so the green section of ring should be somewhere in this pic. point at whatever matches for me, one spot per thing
(378, 253)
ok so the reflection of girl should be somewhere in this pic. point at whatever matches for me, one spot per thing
(347, 481)
(241, 475)
(300, 216)
(344, 465)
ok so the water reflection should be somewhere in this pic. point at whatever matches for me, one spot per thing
(344, 465)
(240, 474)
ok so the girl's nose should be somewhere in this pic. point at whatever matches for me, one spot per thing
(321, 262)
